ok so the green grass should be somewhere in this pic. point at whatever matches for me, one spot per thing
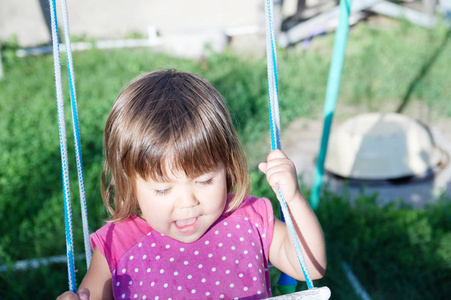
(396, 252)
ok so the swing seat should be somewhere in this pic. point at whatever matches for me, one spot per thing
(321, 293)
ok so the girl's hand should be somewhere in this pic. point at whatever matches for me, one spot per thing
(82, 294)
(281, 173)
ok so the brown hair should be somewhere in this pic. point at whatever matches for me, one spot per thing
(173, 115)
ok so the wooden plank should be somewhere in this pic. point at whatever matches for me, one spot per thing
(390, 9)
(307, 28)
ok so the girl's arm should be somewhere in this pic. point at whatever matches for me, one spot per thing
(281, 173)
(97, 282)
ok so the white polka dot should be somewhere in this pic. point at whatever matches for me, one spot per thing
(255, 278)
(217, 231)
(253, 244)
(118, 283)
(161, 271)
(220, 244)
(240, 275)
(153, 245)
(217, 283)
(221, 296)
(241, 239)
(207, 294)
(156, 297)
(259, 292)
(179, 288)
(250, 231)
(157, 257)
(263, 235)
(140, 283)
(196, 252)
(168, 246)
(140, 244)
(185, 262)
(207, 242)
(123, 296)
(171, 259)
(256, 256)
(246, 252)
(259, 270)
(229, 235)
(193, 291)
(224, 258)
(135, 296)
(123, 270)
(130, 282)
(246, 218)
(144, 256)
(204, 280)
(237, 226)
(233, 248)
(165, 285)
(232, 285)
(237, 261)
(225, 223)
(200, 266)
(131, 257)
(148, 270)
(152, 284)
(136, 270)
(213, 269)
(144, 297)
(189, 276)
(176, 273)
(182, 249)
(256, 225)
(245, 288)
(210, 255)
(227, 272)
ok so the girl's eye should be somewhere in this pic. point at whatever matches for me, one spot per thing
(205, 182)
(161, 192)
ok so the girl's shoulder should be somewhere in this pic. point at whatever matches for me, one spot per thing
(114, 239)
(256, 209)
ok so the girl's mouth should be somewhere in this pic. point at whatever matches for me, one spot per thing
(187, 226)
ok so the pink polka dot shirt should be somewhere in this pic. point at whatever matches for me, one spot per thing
(230, 261)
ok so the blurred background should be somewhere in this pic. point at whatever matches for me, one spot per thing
(385, 198)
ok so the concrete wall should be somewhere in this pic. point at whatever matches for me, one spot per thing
(115, 19)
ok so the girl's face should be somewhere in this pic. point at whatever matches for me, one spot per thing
(183, 208)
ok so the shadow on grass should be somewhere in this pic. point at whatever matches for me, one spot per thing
(423, 72)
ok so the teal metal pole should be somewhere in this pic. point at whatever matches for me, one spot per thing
(333, 85)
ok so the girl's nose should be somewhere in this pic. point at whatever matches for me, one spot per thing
(187, 199)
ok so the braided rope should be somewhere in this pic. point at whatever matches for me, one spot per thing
(275, 129)
(75, 125)
(63, 149)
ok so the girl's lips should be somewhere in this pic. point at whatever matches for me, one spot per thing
(186, 226)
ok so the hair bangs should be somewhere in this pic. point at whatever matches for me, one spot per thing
(190, 145)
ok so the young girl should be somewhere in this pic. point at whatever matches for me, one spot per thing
(176, 185)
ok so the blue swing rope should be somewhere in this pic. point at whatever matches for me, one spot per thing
(76, 130)
(275, 128)
(63, 144)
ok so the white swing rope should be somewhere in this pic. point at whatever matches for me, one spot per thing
(63, 143)
(275, 128)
